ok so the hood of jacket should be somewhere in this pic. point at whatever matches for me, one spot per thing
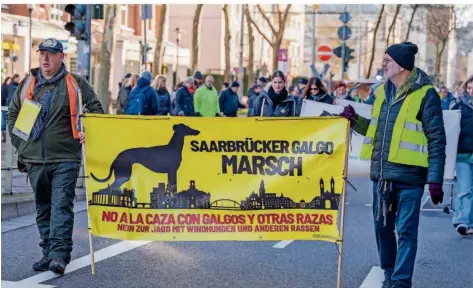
(142, 82)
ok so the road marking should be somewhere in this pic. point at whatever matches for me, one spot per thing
(369, 205)
(10, 284)
(282, 244)
(425, 202)
(374, 279)
(84, 261)
(431, 209)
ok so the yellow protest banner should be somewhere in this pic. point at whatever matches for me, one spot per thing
(208, 179)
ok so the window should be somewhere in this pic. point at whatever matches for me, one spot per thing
(124, 15)
(57, 12)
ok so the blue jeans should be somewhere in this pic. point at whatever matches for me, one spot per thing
(464, 198)
(397, 259)
(54, 187)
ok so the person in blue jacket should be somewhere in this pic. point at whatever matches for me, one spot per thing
(143, 99)
(447, 98)
(185, 98)
(164, 98)
(229, 101)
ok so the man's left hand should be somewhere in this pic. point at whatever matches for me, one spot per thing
(81, 137)
(436, 193)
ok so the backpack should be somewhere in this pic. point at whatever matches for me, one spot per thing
(137, 102)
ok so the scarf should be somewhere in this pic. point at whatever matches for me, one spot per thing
(162, 90)
(40, 122)
(467, 100)
(277, 98)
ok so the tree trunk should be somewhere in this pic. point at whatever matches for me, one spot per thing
(158, 52)
(228, 36)
(195, 37)
(438, 56)
(373, 47)
(251, 41)
(105, 56)
(393, 24)
(414, 10)
(276, 55)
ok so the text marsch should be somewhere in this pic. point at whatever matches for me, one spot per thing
(259, 165)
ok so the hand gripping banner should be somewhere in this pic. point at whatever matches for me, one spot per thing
(209, 179)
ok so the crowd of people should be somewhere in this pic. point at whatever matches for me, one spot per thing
(404, 138)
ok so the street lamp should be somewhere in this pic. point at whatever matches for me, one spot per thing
(178, 38)
(30, 10)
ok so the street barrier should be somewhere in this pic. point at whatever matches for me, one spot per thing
(451, 120)
(214, 179)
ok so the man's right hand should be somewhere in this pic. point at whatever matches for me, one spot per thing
(222, 115)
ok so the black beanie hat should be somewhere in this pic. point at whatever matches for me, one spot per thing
(235, 84)
(198, 75)
(303, 81)
(403, 54)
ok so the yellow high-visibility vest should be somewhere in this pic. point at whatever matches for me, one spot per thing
(408, 142)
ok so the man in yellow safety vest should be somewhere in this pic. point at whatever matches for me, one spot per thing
(405, 141)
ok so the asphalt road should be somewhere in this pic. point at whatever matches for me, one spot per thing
(444, 258)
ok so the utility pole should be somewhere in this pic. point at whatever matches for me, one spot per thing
(241, 71)
(314, 27)
(30, 10)
(343, 50)
(146, 13)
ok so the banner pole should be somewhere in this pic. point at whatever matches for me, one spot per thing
(342, 215)
(91, 244)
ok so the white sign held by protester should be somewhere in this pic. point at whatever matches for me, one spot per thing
(451, 119)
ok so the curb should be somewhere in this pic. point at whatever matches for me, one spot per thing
(21, 208)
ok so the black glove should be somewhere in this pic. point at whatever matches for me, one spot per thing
(349, 114)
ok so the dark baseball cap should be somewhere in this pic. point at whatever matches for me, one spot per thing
(51, 45)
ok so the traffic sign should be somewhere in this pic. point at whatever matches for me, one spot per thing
(344, 33)
(345, 17)
(324, 53)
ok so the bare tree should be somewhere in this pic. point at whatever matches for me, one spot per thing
(158, 52)
(393, 24)
(375, 35)
(441, 22)
(195, 37)
(251, 42)
(106, 55)
(278, 34)
(228, 36)
(414, 10)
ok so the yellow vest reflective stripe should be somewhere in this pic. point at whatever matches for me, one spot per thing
(368, 142)
(408, 142)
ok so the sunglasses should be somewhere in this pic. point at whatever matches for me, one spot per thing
(314, 89)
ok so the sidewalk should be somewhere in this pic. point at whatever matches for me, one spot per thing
(21, 201)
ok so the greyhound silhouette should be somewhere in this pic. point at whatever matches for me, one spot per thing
(159, 159)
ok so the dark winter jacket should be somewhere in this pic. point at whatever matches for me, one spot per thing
(430, 114)
(123, 99)
(229, 103)
(4, 95)
(151, 98)
(465, 142)
(264, 106)
(325, 98)
(11, 91)
(184, 102)
(251, 102)
(164, 102)
(447, 101)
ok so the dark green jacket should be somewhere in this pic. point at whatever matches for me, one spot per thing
(56, 143)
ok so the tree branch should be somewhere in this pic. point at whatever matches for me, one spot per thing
(259, 30)
(266, 18)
